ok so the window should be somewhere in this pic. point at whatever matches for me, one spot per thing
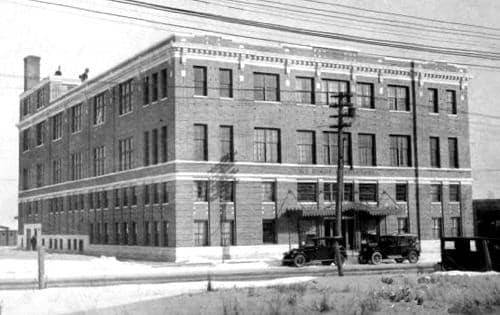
(76, 166)
(156, 233)
(201, 188)
(200, 81)
(163, 139)
(402, 192)
(125, 102)
(134, 234)
(40, 173)
(304, 88)
(435, 153)
(433, 100)
(266, 145)
(26, 106)
(39, 98)
(164, 83)
(90, 197)
(76, 118)
(124, 197)
(200, 143)
(134, 196)
(333, 91)
(266, 87)
(98, 160)
(436, 228)
(269, 192)
(40, 133)
(156, 193)
(106, 234)
(306, 192)
(91, 234)
(125, 232)
(26, 139)
(330, 192)
(451, 101)
(146, 148)
(165, 233)
(56, 126)
(226, 191)
(330, 148)
(154, 88)
(269, 231)
(147, 233)
(146, 194)
(104, 199)
(402, 225)
(99, 109)
(97, 198)
(455, 226)
(164, 193)
(200, 233)
(154, 140)
(368, 192)
(306, 147)
(125, 154)
(116, 196)
(436, 193)
(454, 192)
(364, 96)
(366, 149)
(453, 152)
(226, 83)
(400, 150)
(145, 90)
(397, 96)
(227, 233)
(118, 238)
(226, 143)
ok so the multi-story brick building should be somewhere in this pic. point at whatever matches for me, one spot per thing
(201, 146)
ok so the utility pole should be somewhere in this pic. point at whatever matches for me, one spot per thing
(343, 102)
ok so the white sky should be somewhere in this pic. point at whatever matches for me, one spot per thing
(76, 40)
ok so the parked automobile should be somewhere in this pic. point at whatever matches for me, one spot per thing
(314, 250)
(470, 253)
(398, 247)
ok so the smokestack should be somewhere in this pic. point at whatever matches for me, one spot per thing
(31, 71)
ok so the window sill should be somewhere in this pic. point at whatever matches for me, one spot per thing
(200, 96)
(269, 202)
(76, 132)
(125, 114)
(454, 202)
(436, 203)
(267, 102)
(368, 109)
(400, 111)
(453, 115)
(55, 140)
(38, 146)
(164, 99)
(201, 202)
(306, 104)
(98, 124)
(308, 202)
(226, 98)
(433, 114)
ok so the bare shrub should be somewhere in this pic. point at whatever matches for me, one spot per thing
(370, 303)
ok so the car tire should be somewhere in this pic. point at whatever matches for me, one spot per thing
(299, 260)
(413, 257)
(376, 258)
(327, 263)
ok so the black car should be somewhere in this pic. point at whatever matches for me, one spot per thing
(470, 253)
(398, 247)
(315, 250)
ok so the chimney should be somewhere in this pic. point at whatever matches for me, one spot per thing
(31, 71)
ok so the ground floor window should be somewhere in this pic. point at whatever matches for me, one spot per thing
(268, 231)
(134, 233)
(117, 233)
(156, 235)
(436, 227)
(147, 233)
(91, 234)
(165, 233)
(402, 225)
(125, 232)
(455, 226)
(200, 233)
(227, 233)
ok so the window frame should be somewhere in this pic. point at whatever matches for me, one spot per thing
(264, 91)
(200, 84)
(394, 98)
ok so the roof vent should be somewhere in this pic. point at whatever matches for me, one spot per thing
(58, 72)
(84, 76)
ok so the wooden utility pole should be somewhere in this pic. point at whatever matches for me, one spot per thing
(342, 97)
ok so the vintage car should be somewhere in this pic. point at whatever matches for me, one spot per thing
(398, 247)
(470, 253)
(314, 250)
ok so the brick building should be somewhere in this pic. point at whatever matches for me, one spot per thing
(201, 146)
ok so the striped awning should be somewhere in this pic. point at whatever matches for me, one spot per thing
(348, 207)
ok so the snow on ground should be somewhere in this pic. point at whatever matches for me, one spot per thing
(68, 300)
(16, 264)
(467, 273)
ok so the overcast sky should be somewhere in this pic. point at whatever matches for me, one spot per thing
(76, 40)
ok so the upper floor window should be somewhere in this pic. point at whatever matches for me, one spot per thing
(201, 190)
(266, 145)
(145, 90)
(334, 91)
(435, 152)
(26, 139)
(266, 87)
(306, 147)
(451, 101)
(400, 150)
(226, 82)
(304, 88)
(368, 192)
(76, 166)
(307, 192)
(453, 152)
(40, 133)
(56, 171)
(40, 175)
(200, 81)
(164, 83)
(330, 148)
(98, 160)
(364, 95)
(226, 191)
(125, 150)
(269, 191)
(200, 143)
(154, 87)
(330, 192)
(26, 178)
(401, 192)
(433, 100)
(226, 143)
(125, 100)
(40, 95)
(76, 118)
(99, 109)
(437, 227)
(366, 149)
(455, 226)
(454, 190)
(397, 96)
(164, 144)
(57, 126)
(26, 106)
(436, 192)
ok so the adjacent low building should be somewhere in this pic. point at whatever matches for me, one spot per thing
(205, 147)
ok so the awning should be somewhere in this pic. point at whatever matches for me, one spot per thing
(348, 207)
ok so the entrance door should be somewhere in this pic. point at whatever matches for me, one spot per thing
(329, 225)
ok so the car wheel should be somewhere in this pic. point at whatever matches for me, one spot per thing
(376, 258)
(327, 263)
(413, 257)
(299, 260)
